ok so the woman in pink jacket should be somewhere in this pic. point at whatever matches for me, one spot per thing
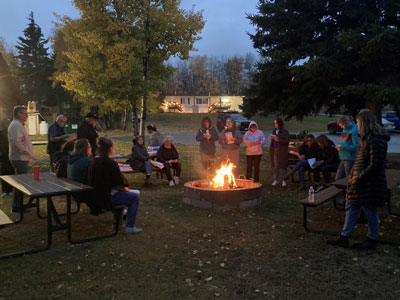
(253, 139)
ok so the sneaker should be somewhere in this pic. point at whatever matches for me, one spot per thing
(130, 230)
(171, 183)
(176, 179)
(275, 183)
(284, 184)
(368, 244)
(4, 195)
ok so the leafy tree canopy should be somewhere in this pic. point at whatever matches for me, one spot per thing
(325, 55)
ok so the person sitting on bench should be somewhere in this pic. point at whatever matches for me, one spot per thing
(168, 155)
(330, 157)
(79, 161)
(110, 187)
(309, 149)
(140, 159)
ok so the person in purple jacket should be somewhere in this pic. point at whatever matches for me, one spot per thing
(254, 139)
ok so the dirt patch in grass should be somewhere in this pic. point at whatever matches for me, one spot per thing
(190, 253)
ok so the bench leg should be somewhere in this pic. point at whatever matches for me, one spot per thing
(305, 225)
(95, 238)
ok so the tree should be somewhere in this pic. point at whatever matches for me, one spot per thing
(325, 54)
(117, 49)
(35, 66)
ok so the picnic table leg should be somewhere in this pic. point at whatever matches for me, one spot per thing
(313, 230)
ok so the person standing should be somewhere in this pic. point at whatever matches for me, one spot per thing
(57, 137)
(20, 150)
(367, 186)
(169, 156)
(207, 136)
(254, 139)
(278, 151)
(230, 139)
(88, 131)
(155, 137)
(347, 147)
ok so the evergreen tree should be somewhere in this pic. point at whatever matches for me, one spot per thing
(35, 66)
(325, 54)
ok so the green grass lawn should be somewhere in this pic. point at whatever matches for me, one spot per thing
(169, 123)
(190, 253)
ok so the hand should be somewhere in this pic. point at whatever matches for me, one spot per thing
(126, 189)
(302, 157)
(353, 180)
(338, 147)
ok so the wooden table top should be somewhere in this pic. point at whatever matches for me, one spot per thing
(392, 178)
(47, 185)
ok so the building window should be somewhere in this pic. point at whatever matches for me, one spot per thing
(201, 100)
(185, 100)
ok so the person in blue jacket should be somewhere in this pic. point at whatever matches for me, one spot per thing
(347, 147)
(207, 135)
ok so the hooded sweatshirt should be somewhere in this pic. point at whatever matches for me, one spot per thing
(207, 146)
(349, 142)
(256, 136)
(77, 168)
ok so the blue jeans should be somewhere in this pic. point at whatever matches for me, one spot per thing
(344, 169)
(301, 166)
(131, 200)
(326, 170)
(350, 221)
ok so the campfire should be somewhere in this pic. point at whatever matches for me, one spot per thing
(224, 178)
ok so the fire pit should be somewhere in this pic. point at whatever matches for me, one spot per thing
(223, 192)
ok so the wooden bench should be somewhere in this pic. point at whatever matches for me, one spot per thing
(320, 198)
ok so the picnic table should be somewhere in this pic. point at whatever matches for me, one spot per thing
(47, 187)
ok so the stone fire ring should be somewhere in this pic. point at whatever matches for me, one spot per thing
(248, 194)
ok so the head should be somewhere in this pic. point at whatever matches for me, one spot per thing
(253, 128)
(138, 140)
(151, 128)
(367, 125)
(68, 147)
(344, 121)
(82, 148)
(91, 118)
(20, 113)
(278, 123)
(168, 142)
(309, 140)
(105, 147)
(206, 123)
(229, 123)
(323, 141)
(61, 120)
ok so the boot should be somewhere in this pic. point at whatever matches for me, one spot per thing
(368, 244)
(342, 241)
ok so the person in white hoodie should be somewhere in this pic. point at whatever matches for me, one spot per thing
(20, 149)
(254, 139)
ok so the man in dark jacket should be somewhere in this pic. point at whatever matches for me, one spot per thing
(168, 155)
(140, 159)
(57, 137)
(88, 131)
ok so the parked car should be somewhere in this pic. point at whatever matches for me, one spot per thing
(334, 128)
(241, 122)
(391, 116)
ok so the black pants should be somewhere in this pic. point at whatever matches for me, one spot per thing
(175, 166)
(253, 161)
(6, 169)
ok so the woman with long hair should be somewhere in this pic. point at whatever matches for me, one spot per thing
(79, 161)
(230, 139)
(207, 135)
(330, 157)
(278, 151)
(110, 186)
(367, 187)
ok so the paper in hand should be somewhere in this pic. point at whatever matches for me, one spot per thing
(229, 138)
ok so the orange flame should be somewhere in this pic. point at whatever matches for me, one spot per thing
(224, 177)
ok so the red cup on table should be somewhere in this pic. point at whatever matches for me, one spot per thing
(36, 172)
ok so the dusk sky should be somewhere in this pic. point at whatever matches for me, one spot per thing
(223, 35)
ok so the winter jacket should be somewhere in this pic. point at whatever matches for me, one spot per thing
(349, 142)
(20, 144)
(87, 131)
(309, 152)
(369, 174)
(329, 155)
(257, 136)
(164, 154)
(77, 168)
(138, 157)
(207, 146)
(282, 148)
(236, 134)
